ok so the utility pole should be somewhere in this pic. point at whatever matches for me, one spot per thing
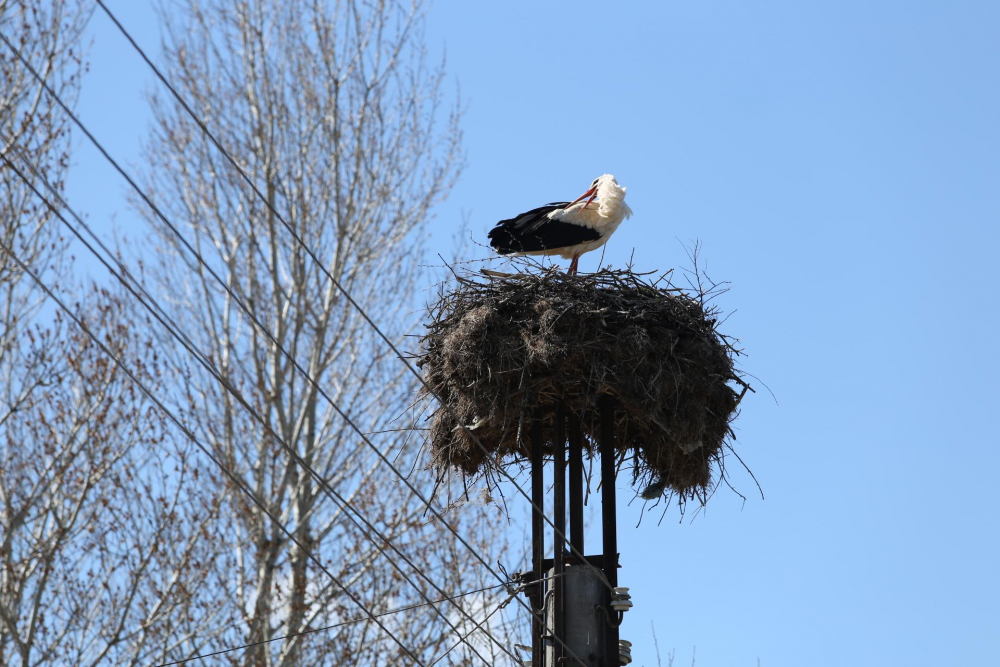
(579, 599)
(570, 359)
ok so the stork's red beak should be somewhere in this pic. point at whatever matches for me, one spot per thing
(592, 192)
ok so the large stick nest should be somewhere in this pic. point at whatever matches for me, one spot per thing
(503, 350)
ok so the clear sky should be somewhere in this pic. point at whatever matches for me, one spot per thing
(840, 163)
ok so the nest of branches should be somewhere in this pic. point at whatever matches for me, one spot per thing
(502, 351)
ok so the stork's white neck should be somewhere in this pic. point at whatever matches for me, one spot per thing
(611, 198)
(604, 214)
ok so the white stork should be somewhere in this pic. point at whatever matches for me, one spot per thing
(565, 228)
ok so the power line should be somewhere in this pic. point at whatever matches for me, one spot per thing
(458, 643)
(190, 435)
(210, 367)
(359, 619)
(232, 390)
(264, 330)
(189, 345)
(243, 307)
(350, 299)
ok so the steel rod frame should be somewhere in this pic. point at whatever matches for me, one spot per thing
(559, 508)
(576, 529)
(537, 597)
(609, 523)
(548, 596)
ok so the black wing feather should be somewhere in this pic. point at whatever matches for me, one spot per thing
(533, 230)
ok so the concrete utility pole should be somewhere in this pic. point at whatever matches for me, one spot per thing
(579, 597)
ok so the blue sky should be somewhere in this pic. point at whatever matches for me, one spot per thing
(840, 163)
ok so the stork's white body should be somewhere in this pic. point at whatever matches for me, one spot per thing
(567, 229)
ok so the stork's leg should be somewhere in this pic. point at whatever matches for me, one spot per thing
(573, 265)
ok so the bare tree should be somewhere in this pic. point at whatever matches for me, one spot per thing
(100, 531)
(334, 112)
(45, 33)
(101, 538)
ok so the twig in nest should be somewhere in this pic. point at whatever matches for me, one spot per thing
(502, 350)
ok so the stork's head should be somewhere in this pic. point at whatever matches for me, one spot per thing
(600, 185)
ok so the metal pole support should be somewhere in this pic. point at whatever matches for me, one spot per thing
(559, 539)
(537, 599)
(576, 527)
(609, 522)
(575, 602)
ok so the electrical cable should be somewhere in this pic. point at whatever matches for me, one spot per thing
(207, 363)
(190, 435)
(359, 619)
(210, 367)
(350, 299)
(465, 638)
(189, 346)
(295, 363)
